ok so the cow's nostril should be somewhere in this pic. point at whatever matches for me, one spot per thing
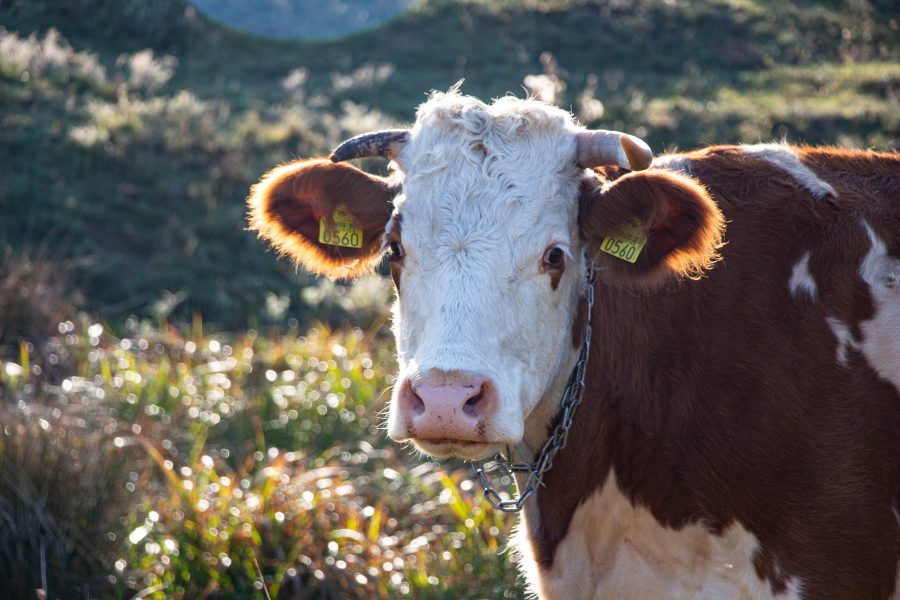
(414, 404)
(471, 407)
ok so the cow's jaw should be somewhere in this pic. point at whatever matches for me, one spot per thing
(484, 335)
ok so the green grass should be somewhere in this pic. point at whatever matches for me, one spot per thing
(219, 457)
(854, 105)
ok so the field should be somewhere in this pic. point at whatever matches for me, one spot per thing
(196, 465)
(183, 415)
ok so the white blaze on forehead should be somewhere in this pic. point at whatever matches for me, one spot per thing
(614, 549)
(486, 188)
(881, 333)
(784, 157)
(802, 280)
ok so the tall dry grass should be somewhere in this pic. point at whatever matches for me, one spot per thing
(188, 464)
(34, 298)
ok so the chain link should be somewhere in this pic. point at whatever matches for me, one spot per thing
(571, 398)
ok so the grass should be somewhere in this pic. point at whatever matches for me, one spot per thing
(32, 297)
(213, 465)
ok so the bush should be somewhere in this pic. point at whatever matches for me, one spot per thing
(33, 298)
(161, 23)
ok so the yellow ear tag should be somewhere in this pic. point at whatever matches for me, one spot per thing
(344, 232)
(626, 243)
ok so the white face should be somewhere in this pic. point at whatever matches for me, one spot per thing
(484, 318)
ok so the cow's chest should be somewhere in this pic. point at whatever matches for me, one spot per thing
(616, 550)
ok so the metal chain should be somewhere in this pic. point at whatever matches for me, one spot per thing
(570, 400)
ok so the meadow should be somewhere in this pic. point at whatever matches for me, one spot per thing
(185, 464)
(182, 415)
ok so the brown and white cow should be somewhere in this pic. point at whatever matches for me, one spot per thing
(739, 433)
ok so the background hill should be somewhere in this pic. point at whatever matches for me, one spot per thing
(131, 131)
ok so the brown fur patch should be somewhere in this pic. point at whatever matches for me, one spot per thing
(579, 325)
(394, 233)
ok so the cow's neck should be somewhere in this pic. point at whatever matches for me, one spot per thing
(606, 434)
(540, 422)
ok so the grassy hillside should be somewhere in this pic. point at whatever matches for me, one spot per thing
(132, 130)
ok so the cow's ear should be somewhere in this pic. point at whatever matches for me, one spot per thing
(329, 217)
(674, 217)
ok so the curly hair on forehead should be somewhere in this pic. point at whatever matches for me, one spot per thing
(507, 116)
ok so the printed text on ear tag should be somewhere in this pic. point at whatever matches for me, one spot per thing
(626, 243)
(343, 232)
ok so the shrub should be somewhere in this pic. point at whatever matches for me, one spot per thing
(33, 298)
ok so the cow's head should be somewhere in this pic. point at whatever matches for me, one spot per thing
(487, 221)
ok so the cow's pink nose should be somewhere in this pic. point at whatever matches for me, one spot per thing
(448, 405)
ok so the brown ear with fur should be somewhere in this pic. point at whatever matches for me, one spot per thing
(681, 224)
(288, 204)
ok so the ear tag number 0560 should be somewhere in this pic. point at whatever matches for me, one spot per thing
(343, 232)
(625, 244)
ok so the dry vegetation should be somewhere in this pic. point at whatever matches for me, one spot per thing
(211, 465)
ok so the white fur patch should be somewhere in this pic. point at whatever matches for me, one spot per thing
(845, 340)
(617, 550)
(784, 157)
(802, 280)
(673, 162)
(881, 333)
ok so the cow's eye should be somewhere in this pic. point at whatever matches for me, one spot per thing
(395, 250)
(554, 258)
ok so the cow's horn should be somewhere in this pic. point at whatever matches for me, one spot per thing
(387, 143)
(599, 147)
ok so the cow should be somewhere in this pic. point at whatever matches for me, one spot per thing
(710, 341)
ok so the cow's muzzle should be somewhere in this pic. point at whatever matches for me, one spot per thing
(447, 406)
